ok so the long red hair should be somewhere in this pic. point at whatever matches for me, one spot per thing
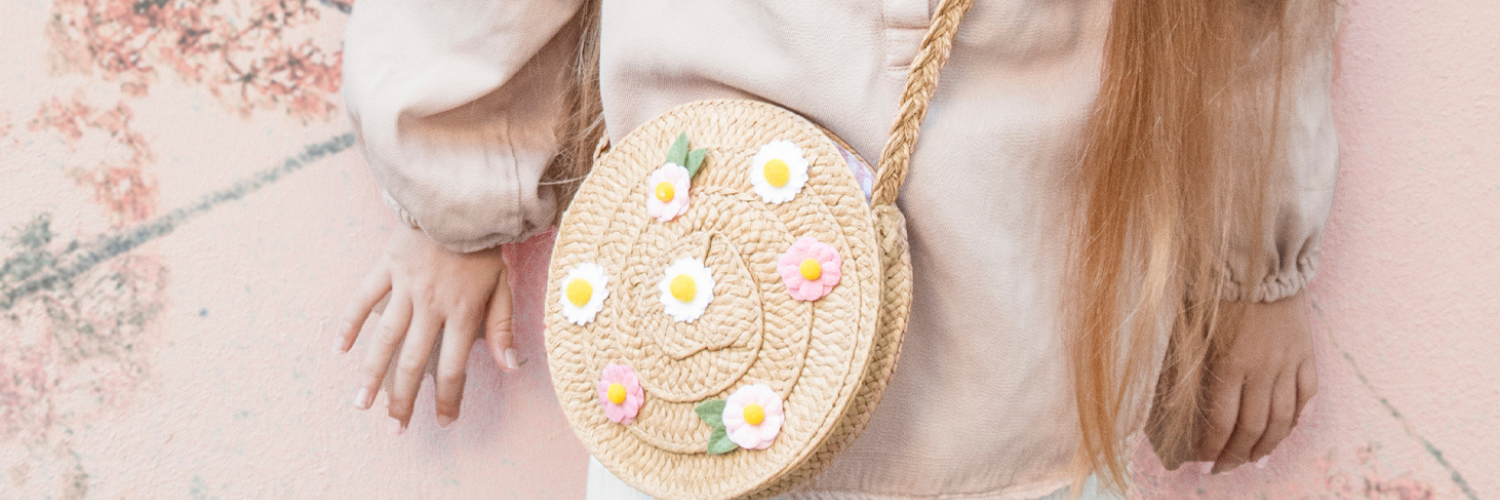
(1182, 151)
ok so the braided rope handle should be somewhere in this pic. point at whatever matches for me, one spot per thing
(921, 81)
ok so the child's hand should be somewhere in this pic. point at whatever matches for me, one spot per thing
(431, 289)
(1260, 385)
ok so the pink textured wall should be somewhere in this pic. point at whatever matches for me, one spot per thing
(182, 218)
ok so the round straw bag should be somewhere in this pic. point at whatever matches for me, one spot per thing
(726, 304)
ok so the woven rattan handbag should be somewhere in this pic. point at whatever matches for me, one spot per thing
(731, 289)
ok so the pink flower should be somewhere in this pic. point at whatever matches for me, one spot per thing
(620, 394)
(809, 269)
(753, 416)
(667, 192)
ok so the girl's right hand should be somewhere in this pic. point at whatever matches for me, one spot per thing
(432, 290)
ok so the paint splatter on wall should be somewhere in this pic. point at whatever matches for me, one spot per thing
(183, 216)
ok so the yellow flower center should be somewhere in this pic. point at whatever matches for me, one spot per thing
(684, 288)
(580, 291)
(777, 173)
(616, 393)
(664, 192)
(754, 414)
(811, 270)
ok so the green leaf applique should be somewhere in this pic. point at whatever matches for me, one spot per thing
(695, 161)
(678, 153)
(712, 413)
(719, 443)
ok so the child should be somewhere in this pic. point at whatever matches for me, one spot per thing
(1113, 208)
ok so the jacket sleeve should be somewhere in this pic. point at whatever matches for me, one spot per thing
(454, 103)
(1287, 258)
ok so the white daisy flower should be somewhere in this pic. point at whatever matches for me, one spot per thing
(583, 292)
(686, 289)
(778, 171)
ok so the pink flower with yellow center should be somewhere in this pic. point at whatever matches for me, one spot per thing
(753, 416)
(620, 394)
(810, 269)
(667, 192)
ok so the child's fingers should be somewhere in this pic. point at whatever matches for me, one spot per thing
(453, 363)
(1250, 425)
(410, 365)
(387, 338)
(1307, 386)
(374, 287)
(1223, 411)
(499, 332)
(1283, 410)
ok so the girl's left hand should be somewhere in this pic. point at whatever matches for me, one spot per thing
(434, 294)
(1260, 385)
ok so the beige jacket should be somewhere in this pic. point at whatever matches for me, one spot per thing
(455, 103)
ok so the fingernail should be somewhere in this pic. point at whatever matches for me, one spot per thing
(1261, 464)
(510, 359)
(398, 427)
(362, 399)
(1205, 468)
(444, 421)
(338, 345)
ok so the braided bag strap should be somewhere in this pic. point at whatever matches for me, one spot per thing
(921, 81)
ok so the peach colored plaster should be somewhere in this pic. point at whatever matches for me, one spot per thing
(183, 218)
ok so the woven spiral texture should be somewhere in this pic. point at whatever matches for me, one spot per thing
(895, 310)
(827, 359)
